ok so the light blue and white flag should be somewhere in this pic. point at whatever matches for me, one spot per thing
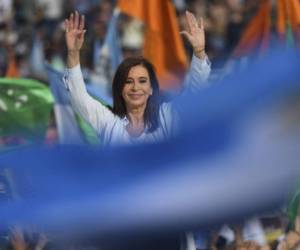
(37, 58)
(109, 55)
(67, 126)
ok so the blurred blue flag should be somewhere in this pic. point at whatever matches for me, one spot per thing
(113, 42)
(109, 55)
(37, 57)
(237, 154)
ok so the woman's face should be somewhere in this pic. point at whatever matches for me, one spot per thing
(137, 88)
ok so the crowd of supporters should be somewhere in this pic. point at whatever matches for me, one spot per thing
(21, 22)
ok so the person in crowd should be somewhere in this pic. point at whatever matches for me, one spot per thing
(292, 237)
(137, 114)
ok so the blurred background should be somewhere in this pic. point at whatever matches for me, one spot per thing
(22, 22)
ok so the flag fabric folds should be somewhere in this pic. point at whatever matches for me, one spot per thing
(67, 127)
(257, 34)
(71, 128)
(37, 57)
(163, 45)
(288, 21)
(25, 106)
(108, 56)
(112, 42)
(288, 11)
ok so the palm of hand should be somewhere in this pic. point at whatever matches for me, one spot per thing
(74, 39)
(197, 38)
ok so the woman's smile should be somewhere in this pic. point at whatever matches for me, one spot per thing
(135, 95)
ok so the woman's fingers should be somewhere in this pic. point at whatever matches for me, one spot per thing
(187, 35)
(193, 19)
(81, 34)
(66, 23)
(76, 20)
(81, 23)
(188, 19)
(201, 23)
(192, 22)
(71, 22)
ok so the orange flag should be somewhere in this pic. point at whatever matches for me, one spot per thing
(257, 34)
(295, 14)
(163, 44)
(281, 17)
(288, 14)
(295, 21)
(12, 69)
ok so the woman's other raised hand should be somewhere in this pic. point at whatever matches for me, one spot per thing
(195, 34)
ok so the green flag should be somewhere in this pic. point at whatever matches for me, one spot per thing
(25, 106)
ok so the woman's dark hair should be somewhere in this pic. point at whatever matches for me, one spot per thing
(151, 115)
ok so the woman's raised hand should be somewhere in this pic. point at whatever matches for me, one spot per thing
(195, 34)
(74, 27)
